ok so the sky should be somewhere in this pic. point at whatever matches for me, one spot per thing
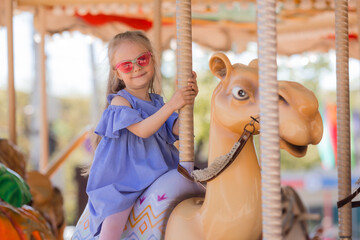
(22, 53)
(70, 73)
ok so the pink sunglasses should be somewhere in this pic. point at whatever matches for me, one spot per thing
(128, 65)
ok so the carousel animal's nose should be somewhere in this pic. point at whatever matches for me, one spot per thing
(303, 100)
(308, 106)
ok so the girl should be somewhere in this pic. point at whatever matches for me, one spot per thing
(138, 131)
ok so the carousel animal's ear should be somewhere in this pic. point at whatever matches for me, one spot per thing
(254, 63)
(220, 65)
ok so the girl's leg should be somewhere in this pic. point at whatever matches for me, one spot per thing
(113, 226)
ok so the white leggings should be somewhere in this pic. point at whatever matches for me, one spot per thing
(113, 225)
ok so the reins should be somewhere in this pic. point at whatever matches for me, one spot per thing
(222, 162)
(349, 198)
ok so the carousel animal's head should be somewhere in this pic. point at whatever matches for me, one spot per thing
(12, 157)
(236, 99)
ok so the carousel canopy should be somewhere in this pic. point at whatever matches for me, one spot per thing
(222, 25)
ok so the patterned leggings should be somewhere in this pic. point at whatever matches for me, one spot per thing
(113, 226)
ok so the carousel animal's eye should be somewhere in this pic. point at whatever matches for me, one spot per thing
(239, 93)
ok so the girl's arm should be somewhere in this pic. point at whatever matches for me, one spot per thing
(193, 84)
(151, 124)
(175, 129)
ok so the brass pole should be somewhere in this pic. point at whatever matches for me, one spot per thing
(269, 120)
(11, 85)
(44, 130)
(184, 71)
(343, 116)
(157, 39)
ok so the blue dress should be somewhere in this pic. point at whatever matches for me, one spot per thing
(124, 164)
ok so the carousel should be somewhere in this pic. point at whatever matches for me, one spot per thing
(239, 195)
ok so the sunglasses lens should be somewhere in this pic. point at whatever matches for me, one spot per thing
(126, 67)
(143, 60)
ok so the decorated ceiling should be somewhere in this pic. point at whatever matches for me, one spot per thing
(307, 25)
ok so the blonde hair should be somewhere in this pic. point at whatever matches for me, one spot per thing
(114, 83)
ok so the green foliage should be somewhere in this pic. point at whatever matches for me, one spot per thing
(202, 110)
(207, 83)
(74, 116)
(306, 69)
(22, 100)
(4, 113)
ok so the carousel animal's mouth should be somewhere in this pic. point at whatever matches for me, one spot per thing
(295, 150)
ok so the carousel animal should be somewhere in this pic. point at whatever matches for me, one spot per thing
(30, 206)
(231, 208)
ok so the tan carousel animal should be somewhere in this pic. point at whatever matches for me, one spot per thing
(232, 208)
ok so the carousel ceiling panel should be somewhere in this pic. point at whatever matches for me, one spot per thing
(77, 2)
(304, 4)
(302, 25)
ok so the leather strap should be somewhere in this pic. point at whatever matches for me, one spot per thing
(185, 173)
(348, 199)
(242, 141)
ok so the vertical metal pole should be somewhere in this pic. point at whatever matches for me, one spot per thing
(184, 71)
(11, 85)
(157, 38)
(95, 105)
(269, 120)
(343, 116)
(35, 140)
(44, 130)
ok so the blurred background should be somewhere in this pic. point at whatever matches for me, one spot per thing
(76, 78)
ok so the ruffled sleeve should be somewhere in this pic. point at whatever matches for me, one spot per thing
(116, 118)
